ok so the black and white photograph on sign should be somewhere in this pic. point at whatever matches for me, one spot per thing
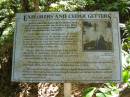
(97, 35)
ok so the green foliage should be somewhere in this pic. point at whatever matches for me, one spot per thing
(89, 92)
(8, 9)
(126, 76)
(100, 95)
(7, 26)
(123, 6)
(106, 90)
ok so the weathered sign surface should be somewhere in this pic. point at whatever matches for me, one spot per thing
(67, 47)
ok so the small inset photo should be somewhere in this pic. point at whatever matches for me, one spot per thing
(97, 35)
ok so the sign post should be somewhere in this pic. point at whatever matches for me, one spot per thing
(67, 89)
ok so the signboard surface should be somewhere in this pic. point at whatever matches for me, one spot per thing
(67, 47)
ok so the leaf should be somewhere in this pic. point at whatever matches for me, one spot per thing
(89, 92)
(105, 90)
(100, 95)
(125, 75)
(128, 59)
(108, 95)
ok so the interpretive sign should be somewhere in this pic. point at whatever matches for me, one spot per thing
(67, 47)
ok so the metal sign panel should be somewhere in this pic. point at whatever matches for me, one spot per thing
(67, 47)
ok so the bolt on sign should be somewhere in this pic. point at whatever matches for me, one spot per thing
(67, 47)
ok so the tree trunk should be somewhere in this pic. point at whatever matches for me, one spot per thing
(36, 5)
(25, 6)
